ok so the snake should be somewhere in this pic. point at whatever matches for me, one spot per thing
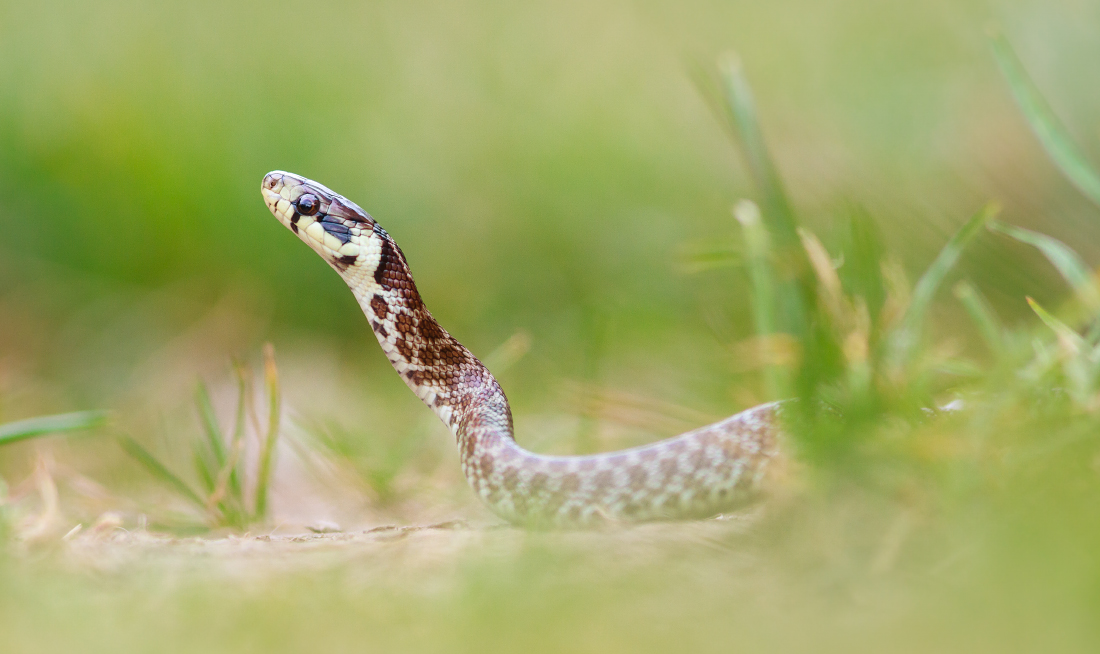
(704, 472)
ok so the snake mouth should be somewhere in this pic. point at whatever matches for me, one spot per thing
(283, 190)
(332, 225)
(280, 186)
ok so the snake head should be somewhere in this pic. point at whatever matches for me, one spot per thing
(335, 227)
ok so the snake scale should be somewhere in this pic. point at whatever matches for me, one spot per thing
(696, 474)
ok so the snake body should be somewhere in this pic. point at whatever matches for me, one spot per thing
(696, 474)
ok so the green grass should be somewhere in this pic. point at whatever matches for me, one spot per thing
(19, 430)
(219, 458)
(622, 243)
(1045, 123)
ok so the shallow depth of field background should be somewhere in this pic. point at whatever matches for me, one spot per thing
(558, 177)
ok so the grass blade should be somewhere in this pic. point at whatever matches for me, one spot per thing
(1071, 341)
(831, 291)
(158, 470)
(210, 424)
(271, 380)
(1046, 125)
(202, 467)
(43, 425)
(758, 250)
(1078, 359)
(863, 254)
(237, 445)
(794, 289)
(982, 314)
(1063, 258)
(214, 482)
(742, 108)
(764, 286)
(226, 494)
(701, 258)
(909, 331)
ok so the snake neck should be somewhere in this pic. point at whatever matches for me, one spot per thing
(432, 363)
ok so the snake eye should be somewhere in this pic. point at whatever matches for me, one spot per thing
(308, 205)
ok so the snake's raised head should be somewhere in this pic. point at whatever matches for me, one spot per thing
(335, 227)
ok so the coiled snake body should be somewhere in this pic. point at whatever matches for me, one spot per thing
(696, 474)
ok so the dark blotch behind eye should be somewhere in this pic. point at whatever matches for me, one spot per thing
(308, 205)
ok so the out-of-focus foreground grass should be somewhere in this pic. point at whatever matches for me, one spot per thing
(561, 176)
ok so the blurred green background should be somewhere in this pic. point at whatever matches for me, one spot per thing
(544, 165)
(554, 170)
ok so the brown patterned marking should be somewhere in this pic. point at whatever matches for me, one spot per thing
(403, 347)
(669, 468)
(404, 324)
(538, 482)
(570, 483)
(379, 306)
(486, 465)
(511, 479)
(431, 330)
(450, 351)
(603, 479)
(674, 447)
(637, 476)
(385, 264)
(412, 296)
(697, 460)
(709, 438)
